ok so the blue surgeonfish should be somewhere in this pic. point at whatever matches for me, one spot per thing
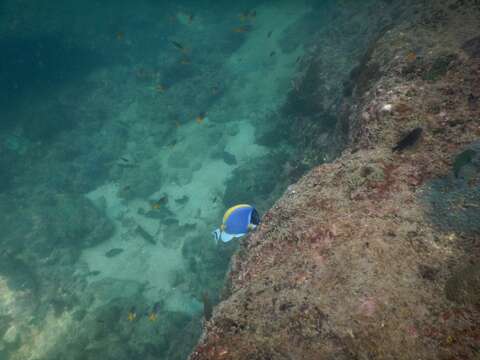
(237, 222)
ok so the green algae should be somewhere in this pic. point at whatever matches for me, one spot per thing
(439, 67)
(453, 201)
(464, 286)
(461, 160)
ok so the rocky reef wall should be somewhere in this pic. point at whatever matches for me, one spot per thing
(375, 254)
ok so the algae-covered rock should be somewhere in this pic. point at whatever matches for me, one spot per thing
(461, 160)
(464, 286)
(472, 47)
(439, 67)
(328, 275)
(452, 202)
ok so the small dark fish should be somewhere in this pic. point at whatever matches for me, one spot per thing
(152, 316)
(462, 159)
(269, 34)
(145, 235)
(207, 306)
(126, 188)
(473, 100)
(160, 202)
(132, 314)
(200, 117)
(113, 252)
(229, 159)
(178, 45)
(170, 221)
(272, 53)
(157, 306)
(93, 273)
(298, 59)
(408, 140)
(125, 162)
(183, 200)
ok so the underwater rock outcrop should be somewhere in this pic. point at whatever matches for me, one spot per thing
(375, 255)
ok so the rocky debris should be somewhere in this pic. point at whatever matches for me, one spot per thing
(374, 255)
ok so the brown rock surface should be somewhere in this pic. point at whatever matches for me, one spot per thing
(350, 263)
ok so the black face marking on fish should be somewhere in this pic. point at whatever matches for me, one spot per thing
(408, 140)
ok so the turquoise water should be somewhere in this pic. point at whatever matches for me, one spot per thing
(126, 130)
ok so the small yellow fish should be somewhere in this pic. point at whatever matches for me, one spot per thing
(120, 35)
(200, 118)
(411, 56)
(450, 340)
(160, 88)
(158, 203)
(152, 316)
(177, 124)
(241, 29)
(131, 316)
(247, 15)
(185, 61)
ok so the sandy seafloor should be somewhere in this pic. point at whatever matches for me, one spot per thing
(255, 91)
(109, 117)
